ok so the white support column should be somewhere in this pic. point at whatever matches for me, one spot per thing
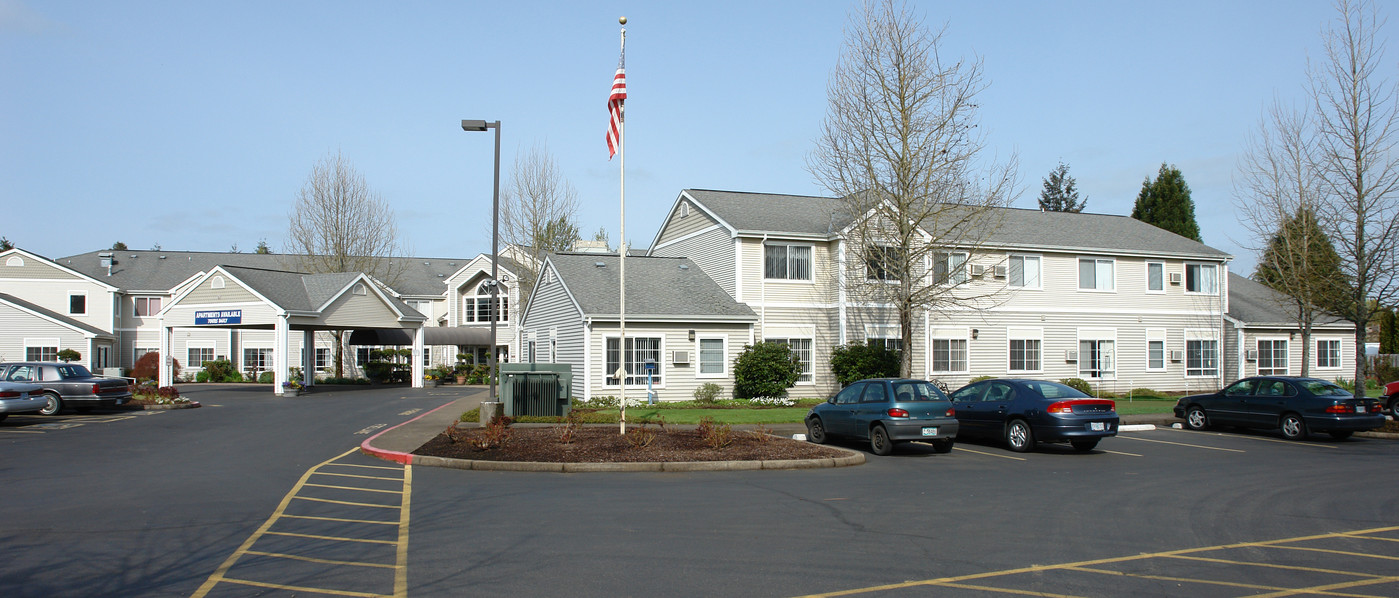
(280, 359)
(167, 366)
(419, 336)
(308, 356)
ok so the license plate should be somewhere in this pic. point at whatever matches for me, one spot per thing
(930, 431)
(1097, 426)
(1360, 409)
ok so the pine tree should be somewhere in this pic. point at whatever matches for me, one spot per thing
(1389, 333)
(1165, 203)
(1301, 262)
(1060, 194)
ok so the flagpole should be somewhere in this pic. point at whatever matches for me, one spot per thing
(622, 242)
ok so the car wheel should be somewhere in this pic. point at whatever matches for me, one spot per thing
(1394, 403)
(816, 431)
(879, 441)
(1195, 418)
(1084, 445)
(1019, 436)
(1293, 428)
(52, 404)
(942, 446)
(1341, 435)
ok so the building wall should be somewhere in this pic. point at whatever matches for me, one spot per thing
(21, 326)
(712, 251)
(678, 382)
(551, 310)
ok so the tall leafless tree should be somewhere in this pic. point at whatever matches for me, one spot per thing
(1357, 123)
(538, 210)
(900, 146)
(340, 224)
(1277, 194)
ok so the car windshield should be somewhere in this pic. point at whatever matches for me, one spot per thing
(1322, 388)
(1054, 390)
(73, 371)
(917, 391)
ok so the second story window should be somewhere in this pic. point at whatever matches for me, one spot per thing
(1023, 271)
(478, 308)
(786, 262)
(147, 306)
(949, 267)
(1200, 278)
(1096, 274)
(883, 262)
(77, 304)
(1155, 277)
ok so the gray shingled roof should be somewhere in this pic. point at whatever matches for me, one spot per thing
(13, 300)
(1019, 228)
(146, 270)
(1255, 304)
(656, 287)
(300, 292)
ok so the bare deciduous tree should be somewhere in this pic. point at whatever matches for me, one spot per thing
(1277, 194)
(340, 224)
(538, 210)
(900, 146)
(1357, 124)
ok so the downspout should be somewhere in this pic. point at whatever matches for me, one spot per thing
(840, 287)
(763, 295)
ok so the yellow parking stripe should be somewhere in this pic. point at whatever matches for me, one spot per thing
(362, 466)
(1175, 579)
(334, 538)
(340, 519)
(344, 502)
(988, 454)
(1342, 552)
(356, 489)
(1268, 565)
(1326, 589)
(1121, 453)
(1213, 448)
(1260, 439)
(964, 586)
(362, 477)
(400, 580)
(308, 559)
(278, 586)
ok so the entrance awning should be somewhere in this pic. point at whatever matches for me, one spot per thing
(432, 336)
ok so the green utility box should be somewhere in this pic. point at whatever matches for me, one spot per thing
(536, 388)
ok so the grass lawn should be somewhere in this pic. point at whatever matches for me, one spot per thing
(1151, 406)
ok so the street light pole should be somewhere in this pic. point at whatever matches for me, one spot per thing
(481, 125)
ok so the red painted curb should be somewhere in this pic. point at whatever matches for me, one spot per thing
(395, 456)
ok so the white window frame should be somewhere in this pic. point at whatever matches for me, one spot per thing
(1162, 267)
(269, 361)
(1328, 365)
(137, 351)
(479, 298)
(808, 376)
(1025, 335)
(950, 334)
(146, 299)
(723, 356)
(884, 335)
(1202, 335)
(48, 348)
(637, 377)
(1107, 365)
(321, 365)
(1097, 271)
(553, 345)
(1213, 268)
(1157, 335)
(190, 364)
(1286, 356)
(810, 269)
(1039, 273)
(71, 295)
(872, 272)
(955, 275)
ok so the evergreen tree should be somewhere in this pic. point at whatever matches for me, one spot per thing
(1165, 203)
(1060, 194)
(1301, 262)
(5, 244)
(118, 246)
(1389, 332)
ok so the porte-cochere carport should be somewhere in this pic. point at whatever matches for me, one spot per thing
(285, 302)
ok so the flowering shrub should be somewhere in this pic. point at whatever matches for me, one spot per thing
(773, 401)
(292, 385)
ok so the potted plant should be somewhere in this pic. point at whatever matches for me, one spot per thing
(291, 388)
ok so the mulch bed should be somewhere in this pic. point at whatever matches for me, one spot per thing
(606, 445)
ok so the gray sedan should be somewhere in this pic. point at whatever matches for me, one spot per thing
(67, 384)
(17, 397)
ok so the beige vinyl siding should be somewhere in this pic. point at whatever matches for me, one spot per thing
(19, 324)
(33, 269)
(360, 311)
(712, 251)
(678, 227)
(53, 295)
(678, 381)
(823, 325)
(206, 294)
(757, 290)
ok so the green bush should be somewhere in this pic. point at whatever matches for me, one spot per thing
(1078, 384)
(765, 370)
(69, 356)
(1346, 384)
(221, 370)
(148, 367)
(856, 362)
(201, 377)
(707, 392)
(266, 378)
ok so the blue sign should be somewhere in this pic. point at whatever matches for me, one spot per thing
(218, 317)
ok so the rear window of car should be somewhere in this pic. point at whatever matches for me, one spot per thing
(917, 391)
(1054, 390)
(1322, 388)
(67, 372)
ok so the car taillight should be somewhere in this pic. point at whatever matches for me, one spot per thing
(1068, 406)
(951, 412)
(96, 388)
(9, 394)
(1341, 408)
(896, 412)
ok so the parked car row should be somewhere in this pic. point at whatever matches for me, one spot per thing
(888, 411)
(1023, 413)
(60, 385)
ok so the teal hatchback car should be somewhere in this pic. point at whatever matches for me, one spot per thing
(886, 412)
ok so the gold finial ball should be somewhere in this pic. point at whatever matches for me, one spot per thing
(622, 20)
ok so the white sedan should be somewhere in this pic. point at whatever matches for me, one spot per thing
(18, 397)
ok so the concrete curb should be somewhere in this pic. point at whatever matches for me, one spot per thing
(1136, 427)
(367, 447)
(189, 405)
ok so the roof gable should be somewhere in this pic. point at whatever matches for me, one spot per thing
(657, 287)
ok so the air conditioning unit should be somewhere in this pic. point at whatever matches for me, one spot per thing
(1070, 355)
(1177, 355)
(1175, 278)
(1251, 355)
(679, 357)
(978, 269)
(1000, 271)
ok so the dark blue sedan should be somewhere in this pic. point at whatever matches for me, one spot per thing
(1026, 412)
(886, 411)
(1295, 406)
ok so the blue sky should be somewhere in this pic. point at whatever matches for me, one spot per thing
(192, 125)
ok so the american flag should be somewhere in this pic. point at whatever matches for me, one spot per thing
(614, 106)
